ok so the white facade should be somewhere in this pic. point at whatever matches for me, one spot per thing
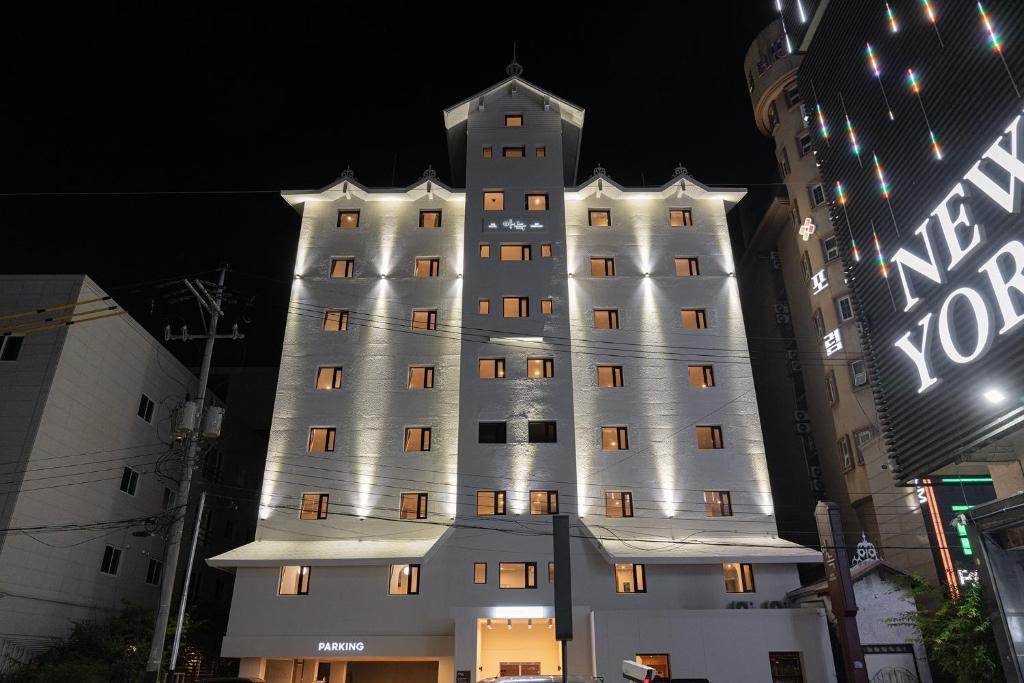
(69, 426)
(347, 621)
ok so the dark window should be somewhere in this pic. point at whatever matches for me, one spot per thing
(792, 92)
(348, 219)
(146, 407)
(492, 432)
(154, 572)
(817, 193)
(830, 248)
(543, 502)
(129, 481)
(786, 667)
(543, 432)
(490, 503)
(430, 218)
(169, 499)
(10, 347)
(803, 142)
(111, 560)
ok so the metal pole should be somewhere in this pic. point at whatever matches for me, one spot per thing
(565, 661)
(174, 543)
(184, 586)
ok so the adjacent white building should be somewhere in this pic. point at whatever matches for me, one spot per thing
(459, 365)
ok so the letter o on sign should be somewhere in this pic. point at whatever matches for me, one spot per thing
(949, 338)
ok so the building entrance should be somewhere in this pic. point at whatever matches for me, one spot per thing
(516, 647)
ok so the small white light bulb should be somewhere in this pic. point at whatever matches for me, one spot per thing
(994, 396)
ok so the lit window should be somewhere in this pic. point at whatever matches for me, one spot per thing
(618, 503)
(129, 480)
(817, 193)
(491, 432)
(424, 320)
(536, 202)
(702, 376)
(421, 377)
(417, 439)
(606, 319)
(543, 431)
(517, 152)
(859, 373)
(844, 305)
(294, 580)
(343, 267)
(803, 143)
(348, 219)
(111, 560)
(328, 379)
(430, 218)
(786, 667)
(657, 662)
(545, 251)
(515, 306)
(792, 92)
(484, 307)
(10, 347)
(739, 577)
(154, 571)
(602, 267)
(490, 503)
(687, 266)
(335, 321)
(614, 439)
(427, 267)
(629, 578)
(543, 502)
(831, 390)
(146, 407)
(599, 218)
(513, 120)
(314, 506)
(414, 506)
(517, 575)
(609, 376)
(321, 440)
(404, 579)
(717, 504)
(680, 218)
(515, 252)
(551, 572)
(479, 572)
(485, 251)
(547, 306)
(541, 152)
(830, 248)
(492, 368)
(494, 201)
(488, 151)
(540, 368)
(845, 452)
(709, 437)
(694, 318)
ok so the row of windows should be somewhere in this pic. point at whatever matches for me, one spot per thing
(111, 565)
(418, 439)
(344, 267)
(515, 151)
(494, 200)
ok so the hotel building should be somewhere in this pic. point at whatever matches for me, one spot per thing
(460, 364)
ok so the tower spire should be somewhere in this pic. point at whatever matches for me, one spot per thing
(514, 68)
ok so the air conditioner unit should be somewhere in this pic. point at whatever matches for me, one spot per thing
(793, 354)
(782, 319)
(801, 416)
(782, 308)
(803, 428)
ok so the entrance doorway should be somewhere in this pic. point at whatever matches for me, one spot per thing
(517, 647)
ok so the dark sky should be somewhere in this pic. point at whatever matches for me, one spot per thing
(113, 98)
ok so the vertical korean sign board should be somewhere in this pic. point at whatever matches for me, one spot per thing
(840, 588)
(563, 587)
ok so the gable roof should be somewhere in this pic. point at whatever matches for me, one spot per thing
(347, 186)
(680, 185)
(458, 113)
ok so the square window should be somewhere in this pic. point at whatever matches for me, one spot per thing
(657, 662)
(863, 437)
(413, 506)
(830, 248)
(494, 201)
(348, 219)
(844, 305)
(817, 193)
(484, 307)
(541, 151)
(417, 439)
(547, 306)
(514, 120)
(485, 251)
(786, 667)
(680, 218)
(694, 318)
(543, 502)
(129, 481)
(492, 368)
(545, 251)
(517, 152)
(543, 431)
(321, 440)
(479, 572)
(488, 151)
(687, 266)
(536, 202)
(421, 377)
(702, 376)
(314, 506)
(517, 575)
(602, 267)
(540, 368)
(154, 572)
(629, 578)
(490, 503)
(427, 267)
(404, 579)
(111, 560)
(606, 319)
(294, 580)
(859, 373)
(599, 218)
(709, 437)
(515, 252)
(328, 379)
(515, 307)
(618, 504)
(343, 267)
(335, 321)
(424, 320)
(739, 577)
(614, 439)
(609, 376)
(717, 504)
(492, 432)
(10, 347)
(430, 218)
(146, 407)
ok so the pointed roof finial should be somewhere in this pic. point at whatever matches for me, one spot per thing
(347, 174)
(514, 68)
(430, 173)
(599, 170)
(681, 170)
(866, 551)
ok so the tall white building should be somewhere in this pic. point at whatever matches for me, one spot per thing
(459, 365)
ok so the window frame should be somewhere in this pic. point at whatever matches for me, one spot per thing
(330, 439)
(625, 503)
(621, 437)
(716, 435)
(433, 264)
(337, 375)
(154, 572)
(513, 148)
(317, 513)
(500, 505)
(426, 438)
(720, 508)
(513, 117)
(485, 250)
(854, 373)
(483, 307)
(639, 572)
(547, 368)
(547, 306)
(428, 377)
(301, 580)
(129, 481)
(348, 271)
(344, 212)
(540, 151)
(692, 264)
(549, 496)
(500, 434)
(530, 195)
(668, 664)
(413, 582)
(499, 368)
(791, 92)
(116, 555)
(494, 194)
(420, 511)
(522, 305)
(831, 388)
(706, 373)
(488, 151)
(529, 572)
(613, 318)
(804, 149)
(813, 191)
(605, 263)
(342, 321)
(476, 574)
(431, 322)
(524, 251)
(839, 308)
(549, 427)
(546, 247)
(617, 378)
(844, 449)
(700, 318)
(591, 213)
(830, 248)
(6, 343)
(745, 575)
(686, 217)
(146, 409)
(431, 212)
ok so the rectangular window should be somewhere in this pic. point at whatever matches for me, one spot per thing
(146, 407)
(517, 152)
(541, 151)
(294, 580)
(488, 151)
(618, 503)
(859, 373)
(321, 440)
(404, 579)
(803, 143)
(844, 305)
(680, 218)
(343, 267)
(657, 662)
(551, 572)
(543, 502)
(492, 368)
(540, 368)
(479, 572)
(687, 266)
(492, 432)
(328, 379)
(314, 506)
(517, 575)
(154, 571)
(547, 306)
(421, 377)
(792, 92)
(10, 347)
(169, 499)
(845, 452)
(602, 267)
(348, 219)
(335, 321)
(484, 307)
(709, 437)
(614, 438)
(805, 267)
(629, 578)
(543, 431)
(694, 318)
(786, 667)
(702, 376)
(819, 322)
(609, 376)
(514, 120)
(717, 504)
(862, 438)
(830, 248)
(773, 115)
(817, 193)
(427, 267)
(599, 218)
(515, 252)
(129, 480)
(424, 319)
(784, 167)
(417, 439)
(414, 506)
(739, 577)
(430, 218)
(111, 560)
(831, 390)
(490, 503)
(494, 200)
(536, 201)
(515, 307)
(485, 250)
(606, 319)
(545, 251)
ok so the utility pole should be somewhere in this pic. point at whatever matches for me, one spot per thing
(184, 584)
(212, 305)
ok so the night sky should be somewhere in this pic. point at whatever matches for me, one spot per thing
(140, 108)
